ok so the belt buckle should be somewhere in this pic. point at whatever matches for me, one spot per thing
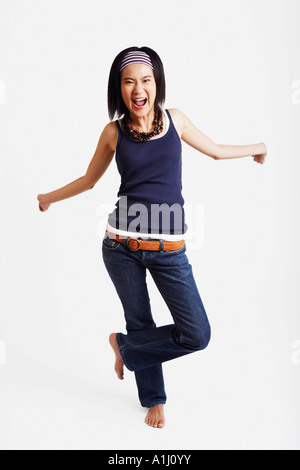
(132, 238)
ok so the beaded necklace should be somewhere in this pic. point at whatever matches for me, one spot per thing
(143, 136)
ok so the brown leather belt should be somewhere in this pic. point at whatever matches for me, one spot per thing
(155, 245)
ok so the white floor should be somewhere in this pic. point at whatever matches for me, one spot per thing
(45, 407)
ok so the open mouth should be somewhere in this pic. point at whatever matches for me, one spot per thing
(139, 104)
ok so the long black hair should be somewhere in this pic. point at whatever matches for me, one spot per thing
(115, 101)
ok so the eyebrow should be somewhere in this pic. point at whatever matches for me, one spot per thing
(129, 78)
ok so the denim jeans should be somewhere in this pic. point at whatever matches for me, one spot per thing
(145, 346)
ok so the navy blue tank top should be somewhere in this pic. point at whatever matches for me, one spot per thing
(150, 194)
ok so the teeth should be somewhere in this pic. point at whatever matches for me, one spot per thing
(140, 99)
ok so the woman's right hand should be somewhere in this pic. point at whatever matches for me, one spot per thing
(43, 206)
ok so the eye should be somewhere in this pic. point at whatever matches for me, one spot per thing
(146, 80)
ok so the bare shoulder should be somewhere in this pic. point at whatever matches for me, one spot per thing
(110, 135)
(178, 118)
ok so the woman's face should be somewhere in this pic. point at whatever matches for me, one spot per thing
(137, 81)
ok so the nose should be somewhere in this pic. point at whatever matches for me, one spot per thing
(137, 88)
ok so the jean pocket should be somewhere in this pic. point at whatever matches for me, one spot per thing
(110, 243)
(174, 252)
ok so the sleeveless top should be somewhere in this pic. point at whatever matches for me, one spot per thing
(150, 195)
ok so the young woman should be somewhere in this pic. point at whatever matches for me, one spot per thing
(146, 230)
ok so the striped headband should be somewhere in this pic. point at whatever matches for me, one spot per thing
(134, 57)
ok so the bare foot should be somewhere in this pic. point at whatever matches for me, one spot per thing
(119, 364)
(155, 417)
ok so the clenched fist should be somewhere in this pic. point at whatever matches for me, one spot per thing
(43, 206)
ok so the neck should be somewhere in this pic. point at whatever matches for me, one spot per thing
(143, 123)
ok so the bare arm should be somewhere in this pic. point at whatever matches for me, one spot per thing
(201, 142)
(258, 151)
(102, 157)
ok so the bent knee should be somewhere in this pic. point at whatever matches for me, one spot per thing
(199, 340)
(202, 340)
(206, 339)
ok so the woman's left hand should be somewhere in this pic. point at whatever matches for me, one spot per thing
(261, 157)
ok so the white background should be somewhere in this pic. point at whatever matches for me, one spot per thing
(233, 67)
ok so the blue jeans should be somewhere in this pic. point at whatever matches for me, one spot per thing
(145, 346)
